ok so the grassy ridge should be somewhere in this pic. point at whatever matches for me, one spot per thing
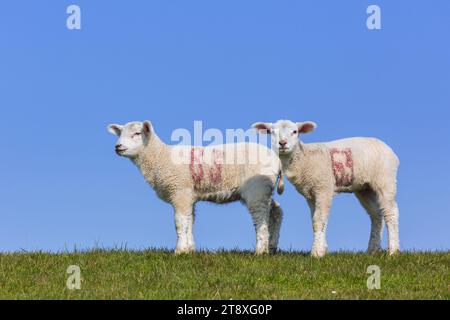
(223, 275)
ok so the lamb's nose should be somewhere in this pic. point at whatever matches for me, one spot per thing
(118, 147)
(282, 143)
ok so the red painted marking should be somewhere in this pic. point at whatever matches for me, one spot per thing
(342, 164)
(215, 174)
(196, 166)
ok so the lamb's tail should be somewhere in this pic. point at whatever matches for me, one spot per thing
(280, 185)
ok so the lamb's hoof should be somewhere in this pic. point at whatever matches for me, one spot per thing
(394, 252)
(188, 250)
(273, 250)
(318, 252)
(374, 250)
(261, 252)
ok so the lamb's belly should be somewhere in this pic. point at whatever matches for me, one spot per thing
(348, 189)
(357, 184)
(223, 196)
(215, 189)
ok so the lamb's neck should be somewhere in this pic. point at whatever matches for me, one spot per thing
(153, 156)
(295, 157)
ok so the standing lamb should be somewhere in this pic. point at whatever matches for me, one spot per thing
(183, 175)
(364, 166)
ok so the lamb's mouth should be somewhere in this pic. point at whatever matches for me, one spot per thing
(120, 151)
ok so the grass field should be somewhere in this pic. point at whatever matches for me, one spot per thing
(159, 274)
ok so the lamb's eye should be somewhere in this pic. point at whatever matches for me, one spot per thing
(137, 134)
(294, 132)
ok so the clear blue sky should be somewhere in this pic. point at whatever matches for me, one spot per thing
(229, 64)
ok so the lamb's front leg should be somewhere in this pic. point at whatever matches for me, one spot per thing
(320, 209)
(184, 221)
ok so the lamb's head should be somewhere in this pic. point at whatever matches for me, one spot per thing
(284, 133)
(133, 137)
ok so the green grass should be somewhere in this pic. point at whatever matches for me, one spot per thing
(159, 274)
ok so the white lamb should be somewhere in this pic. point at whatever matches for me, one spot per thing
(364, 166)
(183, 175)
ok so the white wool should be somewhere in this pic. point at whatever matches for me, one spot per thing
(184, 175)
(364, 166)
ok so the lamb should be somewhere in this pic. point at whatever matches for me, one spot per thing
(183, 175)
(364, 166)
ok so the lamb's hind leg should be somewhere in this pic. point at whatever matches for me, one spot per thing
(256, 193)
(385, 189)
(276, 216)
(368, 200)
(389, 209)
(259, 208)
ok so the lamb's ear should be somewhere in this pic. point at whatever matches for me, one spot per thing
(306, 127)
(147, 128)
(115, 129)
(263, 127)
